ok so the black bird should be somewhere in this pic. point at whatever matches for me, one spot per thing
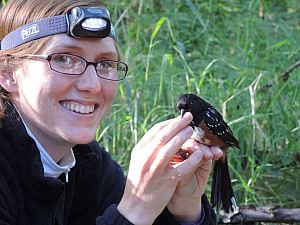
(210, 129)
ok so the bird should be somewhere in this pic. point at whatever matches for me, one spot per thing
(210, 129)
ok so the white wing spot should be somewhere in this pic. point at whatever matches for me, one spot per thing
(212, 110)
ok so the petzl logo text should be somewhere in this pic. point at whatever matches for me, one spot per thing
(29, 31)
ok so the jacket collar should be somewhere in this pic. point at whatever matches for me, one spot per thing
(15, 130)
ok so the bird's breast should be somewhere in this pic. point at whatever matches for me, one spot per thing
(204, 136)
(199, 135)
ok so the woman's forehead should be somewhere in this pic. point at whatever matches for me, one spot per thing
(62, 42)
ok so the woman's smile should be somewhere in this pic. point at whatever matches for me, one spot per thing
(78, 107)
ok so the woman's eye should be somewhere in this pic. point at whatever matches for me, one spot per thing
(64, 59)
(106, 65)
(102, 65)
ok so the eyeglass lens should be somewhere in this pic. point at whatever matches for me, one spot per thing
(75, 65)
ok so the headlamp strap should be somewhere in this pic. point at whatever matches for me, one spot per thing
(36, 30)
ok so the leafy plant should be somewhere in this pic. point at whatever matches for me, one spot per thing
(231, 53)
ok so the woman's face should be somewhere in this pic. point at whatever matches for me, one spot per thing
(65, 110)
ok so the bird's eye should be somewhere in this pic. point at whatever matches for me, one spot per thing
(190, 104)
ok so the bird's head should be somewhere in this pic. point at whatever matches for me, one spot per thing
(185, 103)
(191, 103)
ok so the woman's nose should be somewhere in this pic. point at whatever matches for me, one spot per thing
(89, 80)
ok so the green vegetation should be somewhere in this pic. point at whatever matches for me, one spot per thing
(232, 56)
(231, 53)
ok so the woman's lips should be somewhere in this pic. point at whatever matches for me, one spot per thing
(79, 108)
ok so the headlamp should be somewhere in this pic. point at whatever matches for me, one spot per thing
(89, 22)
(80, 22)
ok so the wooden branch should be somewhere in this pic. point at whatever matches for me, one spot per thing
(260, 214)
(287, 72)
(284, 75)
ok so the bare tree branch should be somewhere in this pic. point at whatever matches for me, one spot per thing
(287, 72)
(260, 214)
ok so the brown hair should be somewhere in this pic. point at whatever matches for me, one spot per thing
(17, 13)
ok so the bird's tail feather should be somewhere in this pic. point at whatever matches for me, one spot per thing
(222, 191)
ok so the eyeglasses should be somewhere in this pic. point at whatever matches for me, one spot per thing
(75, 65)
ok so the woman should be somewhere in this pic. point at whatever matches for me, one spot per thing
(56, 88)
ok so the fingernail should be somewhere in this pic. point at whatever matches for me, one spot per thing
(218, 150)
(208, 153)
(188, 130)
(187, 116)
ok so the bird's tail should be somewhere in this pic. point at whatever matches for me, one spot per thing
(222, 192)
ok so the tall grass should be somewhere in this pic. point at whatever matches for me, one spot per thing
(226, 52)
(230, 53)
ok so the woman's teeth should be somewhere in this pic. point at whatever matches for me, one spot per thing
(79, 108)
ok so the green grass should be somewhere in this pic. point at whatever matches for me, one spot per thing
(226, 53)
(229, 55)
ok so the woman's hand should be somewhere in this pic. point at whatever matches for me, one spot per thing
(152, 180)
(185, 204)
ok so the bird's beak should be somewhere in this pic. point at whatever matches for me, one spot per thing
(182, 112)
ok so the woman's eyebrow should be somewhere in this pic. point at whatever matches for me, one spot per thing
(109, 54)
(64, 47)
(75, 48)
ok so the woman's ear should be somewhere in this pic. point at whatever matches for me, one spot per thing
(7, 81)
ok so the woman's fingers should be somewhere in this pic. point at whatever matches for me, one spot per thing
(167, 151)
(209, 152)
(217, 152)
(165, 139)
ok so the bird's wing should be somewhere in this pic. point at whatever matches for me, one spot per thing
(216, 125)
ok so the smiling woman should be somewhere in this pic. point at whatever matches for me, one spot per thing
(59, 73)
(42, 108)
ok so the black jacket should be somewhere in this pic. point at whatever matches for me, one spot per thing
(95, 185)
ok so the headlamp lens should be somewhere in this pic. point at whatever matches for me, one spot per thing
(94, 24)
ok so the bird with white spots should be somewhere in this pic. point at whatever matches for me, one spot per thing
(210, 129)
